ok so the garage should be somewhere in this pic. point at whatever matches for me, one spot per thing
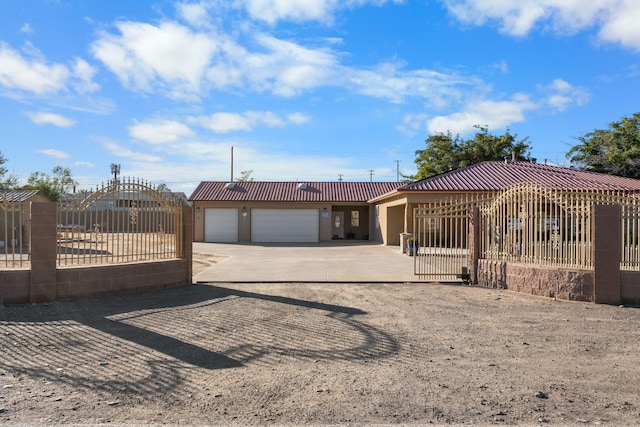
(285, 225)
(221, 225)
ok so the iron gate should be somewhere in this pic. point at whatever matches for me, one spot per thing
(440, 239)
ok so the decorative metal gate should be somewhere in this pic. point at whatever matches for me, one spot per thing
(440, 233)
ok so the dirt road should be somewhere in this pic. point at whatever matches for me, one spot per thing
(320, 354)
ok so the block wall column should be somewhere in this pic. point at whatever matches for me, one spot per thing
(473, 244)
(607, 251)
(42, 286)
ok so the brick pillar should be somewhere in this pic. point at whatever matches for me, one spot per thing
(42, 286)
(187, 241)
(473, 244)
(607, 252)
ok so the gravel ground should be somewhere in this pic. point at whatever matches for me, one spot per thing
(319, 354)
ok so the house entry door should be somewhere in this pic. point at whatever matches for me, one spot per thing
(338, 225)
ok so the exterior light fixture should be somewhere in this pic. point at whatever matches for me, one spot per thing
(198, 209)
(244, 211)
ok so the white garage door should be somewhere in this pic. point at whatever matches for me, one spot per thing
(285, 225)
(221, 225)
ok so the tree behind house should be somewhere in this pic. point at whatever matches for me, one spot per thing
(52, 186)
(445, 152)
(614, 151)
(10, 182)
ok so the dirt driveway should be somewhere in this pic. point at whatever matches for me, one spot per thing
(256, 354)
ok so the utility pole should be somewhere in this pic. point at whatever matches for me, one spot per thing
(370, 175)
(339, 177)
(397, 170)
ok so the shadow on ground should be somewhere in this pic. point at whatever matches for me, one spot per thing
(142, 343)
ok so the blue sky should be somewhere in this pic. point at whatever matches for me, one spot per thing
(304, 90)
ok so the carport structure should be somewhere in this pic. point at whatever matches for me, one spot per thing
(286, 212)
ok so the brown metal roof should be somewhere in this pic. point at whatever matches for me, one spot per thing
(493, 176)
(259, 191)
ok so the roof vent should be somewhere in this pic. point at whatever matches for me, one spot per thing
(302, 186)
(230, 186)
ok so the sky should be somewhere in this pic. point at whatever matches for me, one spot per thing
(303, 90)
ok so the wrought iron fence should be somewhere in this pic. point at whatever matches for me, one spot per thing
(14, 227)
(532, 224)
(123, 221)
(553, 226)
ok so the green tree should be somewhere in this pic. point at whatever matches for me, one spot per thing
(614, 151)
(444, 152)
(245, 176)
(52, 186)
(10, 182)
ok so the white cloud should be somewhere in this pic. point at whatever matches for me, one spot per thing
(184, 63)
(121, 151)
(84, 164)
(54, 153)
(41, 118)
(561, 95)
(30, 74)
(159, 131)
(196, 14)
(390, 81)
(616, 19)
(494, 114)
(271, 11)
(224, 122)
(621, 24)
(26, 28)
(412, 124)
(144, 55)
(83, 73)
(298, 118)
(287, 68)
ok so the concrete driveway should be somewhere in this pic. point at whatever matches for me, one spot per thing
(339, 262)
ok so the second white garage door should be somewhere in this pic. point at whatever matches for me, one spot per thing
(285, 225)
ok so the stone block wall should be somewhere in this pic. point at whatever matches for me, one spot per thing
(567, 284)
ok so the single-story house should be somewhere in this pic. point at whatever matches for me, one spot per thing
(395, 209)
(379, 211)
(256, 211)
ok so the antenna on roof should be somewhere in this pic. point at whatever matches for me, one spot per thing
(231, 180)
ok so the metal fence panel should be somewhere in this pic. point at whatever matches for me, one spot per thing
(14, 232)
(124, 221)
(441, 238)
(526, 223)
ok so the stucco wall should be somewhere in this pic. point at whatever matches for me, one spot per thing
(551, 282)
